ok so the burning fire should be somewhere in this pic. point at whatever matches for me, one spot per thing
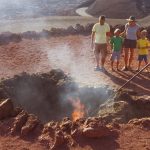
(79, 109)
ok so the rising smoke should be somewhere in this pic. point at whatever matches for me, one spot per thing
(92, 91)
(63, 56)
(80, 67)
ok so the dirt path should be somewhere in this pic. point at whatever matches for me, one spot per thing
(82, 12)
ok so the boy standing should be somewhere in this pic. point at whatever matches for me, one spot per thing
(142, 45)
(116, 45)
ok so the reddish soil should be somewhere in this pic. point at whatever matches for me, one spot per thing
(74, 55)
(134, 138)
(14, 143)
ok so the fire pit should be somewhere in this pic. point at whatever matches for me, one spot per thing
(53, 95)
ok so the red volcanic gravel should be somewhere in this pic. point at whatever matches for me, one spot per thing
(71, 54)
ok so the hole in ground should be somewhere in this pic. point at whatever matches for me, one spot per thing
(53, 95)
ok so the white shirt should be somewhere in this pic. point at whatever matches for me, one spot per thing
(100, 32)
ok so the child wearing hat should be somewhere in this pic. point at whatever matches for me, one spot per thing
(116, 45)
(143, 45)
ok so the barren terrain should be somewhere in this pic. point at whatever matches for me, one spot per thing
(73, 55)
(70, 53)
(120, 124)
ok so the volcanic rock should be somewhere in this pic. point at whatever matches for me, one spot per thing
(6, 109)
(71, 30)
(120, 111)
(125, 95)
(66, 125)
(7, 37)
(29, 35)
(19, 122)
(30, 125)
(79, 28)
(16, 111)
(45, 33)
(59, 139)
(88, 27)
(125, 106)
(47, 135)
(143, 122)
(95, 128)
(36, 91)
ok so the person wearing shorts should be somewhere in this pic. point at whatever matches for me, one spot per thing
(143, 45)
(116, 45)
(131, 32)
(99, 41)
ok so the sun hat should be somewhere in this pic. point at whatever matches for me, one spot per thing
(131, 18)
(117, 30)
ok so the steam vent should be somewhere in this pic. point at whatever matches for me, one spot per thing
(52, 95)
(51, 109)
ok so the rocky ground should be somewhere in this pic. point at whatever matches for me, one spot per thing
(122, 119)
(26, 99)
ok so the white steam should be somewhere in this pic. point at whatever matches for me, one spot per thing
(78, 64)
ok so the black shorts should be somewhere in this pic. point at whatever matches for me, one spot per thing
(129, 43)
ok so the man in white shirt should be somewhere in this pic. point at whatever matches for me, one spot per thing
(99, 41)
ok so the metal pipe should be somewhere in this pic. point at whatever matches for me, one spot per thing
(112, 95)
(133, 77)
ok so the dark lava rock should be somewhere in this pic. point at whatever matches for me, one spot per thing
(6, 108)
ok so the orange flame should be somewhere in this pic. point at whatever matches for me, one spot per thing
(79, 109)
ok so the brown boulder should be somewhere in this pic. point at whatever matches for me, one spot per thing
(59, 140)
(143, 122)
(19, 122)
(96, 132)
(95, 128)
(66, 125)
(6, 109)
(30, 125)
(79, 28)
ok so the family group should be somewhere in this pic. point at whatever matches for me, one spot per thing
(122, 43)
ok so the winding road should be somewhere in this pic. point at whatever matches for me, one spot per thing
(38, 24)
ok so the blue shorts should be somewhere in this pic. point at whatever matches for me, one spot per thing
(115, 55)
(142, 57)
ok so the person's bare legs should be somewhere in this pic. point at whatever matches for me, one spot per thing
(112, 63)
(126, 55)
(117, 64)
(139, 65)
(131, 56)
(103, 59)
(103, 55)
(97, 57)
(146, 62)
